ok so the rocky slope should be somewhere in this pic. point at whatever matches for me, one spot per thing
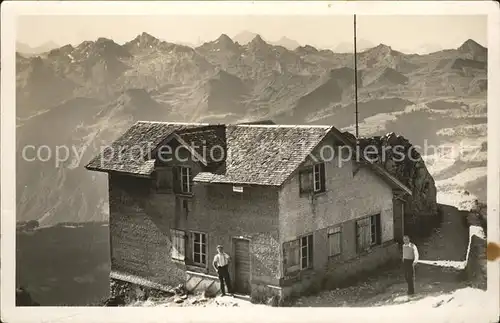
(411, 171)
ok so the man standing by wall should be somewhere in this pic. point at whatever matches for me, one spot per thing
(221, 264)
(410, 259)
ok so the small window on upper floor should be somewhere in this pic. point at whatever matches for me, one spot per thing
(186, 180)
(312, 179)
(319, 178)
(183, 180)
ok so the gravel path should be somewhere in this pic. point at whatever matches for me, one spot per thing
(447, 245)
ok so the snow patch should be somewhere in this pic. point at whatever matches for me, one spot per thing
(456, 198)
(436, 164)
(462, 179)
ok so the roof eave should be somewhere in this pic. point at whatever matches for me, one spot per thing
(379, 169)
(305, 158)
(394, 181)
(111, 171)
(234, 183)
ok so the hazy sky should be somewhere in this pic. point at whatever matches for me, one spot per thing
(400, 32)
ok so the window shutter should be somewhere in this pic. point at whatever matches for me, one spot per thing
(291, 256)
(310, 251)
(306, 180)
(178, 244)
(322, 176)
(176, 179)
(359, 237)
(190, 180)
(163, 179)
(156, 179)
(182, 245)
(334, 240)
(378, 229)
(363, 233)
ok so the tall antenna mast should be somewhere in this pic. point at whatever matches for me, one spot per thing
(356, 79)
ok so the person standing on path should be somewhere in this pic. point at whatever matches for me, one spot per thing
(221, 264)
(410, 259)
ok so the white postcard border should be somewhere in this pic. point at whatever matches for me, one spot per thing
(10, 10)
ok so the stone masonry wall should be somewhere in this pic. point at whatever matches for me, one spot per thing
(252, 214)
(340, 271)
(140, 239)
(477, 263)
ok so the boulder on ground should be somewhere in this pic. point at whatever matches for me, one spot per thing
(207, 293)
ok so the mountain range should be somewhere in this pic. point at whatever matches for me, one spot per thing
(84, 96)
(26, 49)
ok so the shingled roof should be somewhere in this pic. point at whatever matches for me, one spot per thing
(265, 154)
(256, 153)
(131, 152)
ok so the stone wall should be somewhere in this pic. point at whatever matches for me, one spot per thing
(251, 214)
(341, 272)
(197, 282)
(267, 294)
(141, 220)
(125, 292)
(476, 263)
(140, 240)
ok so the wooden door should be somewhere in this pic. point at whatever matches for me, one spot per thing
(242, 266)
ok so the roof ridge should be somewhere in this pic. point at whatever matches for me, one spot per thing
(172, 123)
(281, 126)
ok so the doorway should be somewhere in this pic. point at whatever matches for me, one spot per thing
(241, 265)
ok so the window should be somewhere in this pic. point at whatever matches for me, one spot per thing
(199, 248)
(319, 177)
(298, 254)
(335, 241)
(368, 232)
(306, 251)
(164, 179)
(178, 244)
(186, 180)
(312, 179)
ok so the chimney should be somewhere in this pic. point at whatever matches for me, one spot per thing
(217, 160)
